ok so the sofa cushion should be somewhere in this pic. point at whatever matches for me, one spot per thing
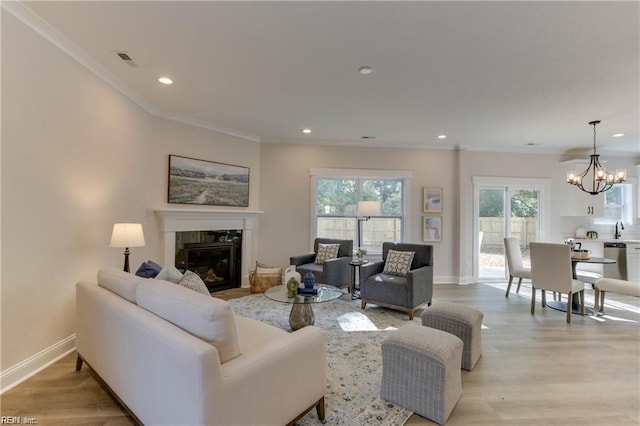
(170, 273)
(192, 281)
(121, 283)
(148, 269)
(205, 317)
(326, 252)
(398, 262)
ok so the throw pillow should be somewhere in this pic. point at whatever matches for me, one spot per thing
(326, 252)
(207, 318)
(170, 273)
(148, 269)
(261, 264)
(266, 271)
(192, 281)
(398, 262)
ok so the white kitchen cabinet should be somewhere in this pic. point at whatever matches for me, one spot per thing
(579, 203)
(633, 262)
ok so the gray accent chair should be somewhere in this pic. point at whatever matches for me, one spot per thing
(400, 293)
(335, 272)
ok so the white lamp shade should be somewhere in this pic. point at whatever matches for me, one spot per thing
(368, 208)
(127, 235)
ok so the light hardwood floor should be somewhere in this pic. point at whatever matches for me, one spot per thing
(535, 370)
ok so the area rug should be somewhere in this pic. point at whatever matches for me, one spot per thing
(354, 356)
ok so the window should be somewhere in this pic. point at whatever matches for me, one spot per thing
(617, 204)
(336, 209)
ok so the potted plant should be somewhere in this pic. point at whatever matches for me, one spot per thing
(360, 253)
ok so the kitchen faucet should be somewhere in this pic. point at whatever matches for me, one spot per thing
(617, 234)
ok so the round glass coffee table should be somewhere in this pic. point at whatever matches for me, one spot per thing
(301, 312)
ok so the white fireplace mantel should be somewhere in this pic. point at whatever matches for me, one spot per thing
(207, 220)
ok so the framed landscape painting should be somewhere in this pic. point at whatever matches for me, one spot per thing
(203, 182)
(432, 228)
(432, 200)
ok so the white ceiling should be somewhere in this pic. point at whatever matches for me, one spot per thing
(490, 75)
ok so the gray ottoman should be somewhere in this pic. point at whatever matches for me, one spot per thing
(421, 371)
(461, 321)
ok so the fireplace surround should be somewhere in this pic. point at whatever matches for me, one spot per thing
(173, 221)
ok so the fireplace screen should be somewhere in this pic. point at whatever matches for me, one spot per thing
(216, 260)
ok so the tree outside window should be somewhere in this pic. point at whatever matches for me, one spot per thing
(337, 205)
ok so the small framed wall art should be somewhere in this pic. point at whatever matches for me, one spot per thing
(432, 200)
(203, 182)
(432, 228)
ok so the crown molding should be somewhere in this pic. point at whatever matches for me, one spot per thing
(49, 33)
(210, 126)
(41, 27)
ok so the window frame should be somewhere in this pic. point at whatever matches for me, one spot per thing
(628, 210)
(359, 174)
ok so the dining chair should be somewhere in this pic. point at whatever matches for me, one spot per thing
(514, 262)
(551, 271)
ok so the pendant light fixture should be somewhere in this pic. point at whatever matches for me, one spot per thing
(596, 179)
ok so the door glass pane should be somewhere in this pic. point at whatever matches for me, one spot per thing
(491, 237)
(524, 220)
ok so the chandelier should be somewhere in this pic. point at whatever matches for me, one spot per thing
(600, 179)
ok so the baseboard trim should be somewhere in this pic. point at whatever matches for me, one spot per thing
(444, 279)
(20, 372)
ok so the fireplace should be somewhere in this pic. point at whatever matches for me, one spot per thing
(176, 223)
(216, 256)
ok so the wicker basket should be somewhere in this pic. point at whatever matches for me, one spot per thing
(259, 283)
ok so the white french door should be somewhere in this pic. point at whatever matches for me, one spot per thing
(506, 207)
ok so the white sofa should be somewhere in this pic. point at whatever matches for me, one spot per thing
(172, 374)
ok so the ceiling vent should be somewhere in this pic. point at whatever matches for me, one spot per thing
(127, 59)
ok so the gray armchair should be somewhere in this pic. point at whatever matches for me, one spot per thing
(335, 272)
(395, 292)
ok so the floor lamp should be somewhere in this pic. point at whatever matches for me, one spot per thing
(366, 209)
(127, 235)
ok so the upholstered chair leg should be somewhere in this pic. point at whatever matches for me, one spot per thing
(569, 308)
(582, 303)
(519, 283)
(602, 301)
(363, 304)
(533, 299)
(596, 296)
(509, 286)
(410, 315)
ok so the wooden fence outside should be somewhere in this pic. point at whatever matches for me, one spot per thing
(525, 229)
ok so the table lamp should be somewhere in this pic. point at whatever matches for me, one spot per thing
(127, 235)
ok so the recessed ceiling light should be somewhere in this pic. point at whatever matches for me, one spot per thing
(165, 80)
(442, 136)
(306, 131)
(365, 70)
(530, 144)
(368, 137)
(618, 135)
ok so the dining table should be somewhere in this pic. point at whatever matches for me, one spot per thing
(575, 300)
